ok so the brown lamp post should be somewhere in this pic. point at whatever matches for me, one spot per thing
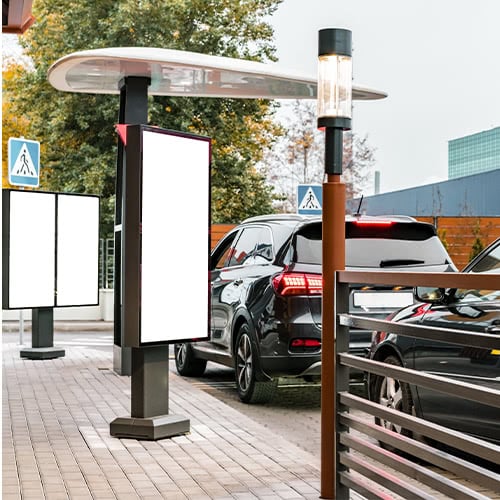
(334, 115)
(16, 16)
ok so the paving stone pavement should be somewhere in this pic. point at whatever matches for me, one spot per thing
(56, 441)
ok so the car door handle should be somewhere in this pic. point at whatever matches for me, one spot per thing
(237, 282)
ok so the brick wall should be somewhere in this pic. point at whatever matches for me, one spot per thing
(459, 233)
(218, 231)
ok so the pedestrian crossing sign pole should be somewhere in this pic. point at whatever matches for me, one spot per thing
(309, 199)
(24, 162)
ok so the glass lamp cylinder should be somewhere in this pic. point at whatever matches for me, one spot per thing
(335, 86)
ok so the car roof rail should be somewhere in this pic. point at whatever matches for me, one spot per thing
(303, 218)
(280, 217)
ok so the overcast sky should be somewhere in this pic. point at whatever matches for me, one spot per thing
(439, 61)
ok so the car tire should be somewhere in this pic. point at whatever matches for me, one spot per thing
(187, 365)
(249, 389)
(392, 393)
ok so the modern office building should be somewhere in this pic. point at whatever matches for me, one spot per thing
(472, 196)
(471, 188)
(474, 153)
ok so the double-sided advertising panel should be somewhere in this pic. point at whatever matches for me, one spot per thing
(50, 249)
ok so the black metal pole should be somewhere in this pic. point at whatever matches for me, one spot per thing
(334, 145)
(133, 110)
(42, 327)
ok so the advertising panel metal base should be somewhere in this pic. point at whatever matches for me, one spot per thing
(42, 337)
(152, 429)
(42, 353)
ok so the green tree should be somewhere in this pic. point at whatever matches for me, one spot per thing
(12, 125)
(77, 129)
(477, 245)
(442, 237)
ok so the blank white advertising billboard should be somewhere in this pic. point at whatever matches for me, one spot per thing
(50, 249)
(77, 250)
(175, 244)
(31, 249)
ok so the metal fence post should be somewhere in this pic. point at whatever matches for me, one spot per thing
(341, 378)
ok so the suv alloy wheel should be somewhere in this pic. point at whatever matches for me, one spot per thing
(187, 365)
(249, 389)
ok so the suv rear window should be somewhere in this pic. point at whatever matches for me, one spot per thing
(396, 245)
(413, 231)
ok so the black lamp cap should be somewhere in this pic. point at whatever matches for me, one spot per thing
(335, 41)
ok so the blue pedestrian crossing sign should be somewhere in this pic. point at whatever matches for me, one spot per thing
(309, 199)
(24, 162)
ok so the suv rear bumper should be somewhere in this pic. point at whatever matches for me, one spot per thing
(277, 360)
(291, 366)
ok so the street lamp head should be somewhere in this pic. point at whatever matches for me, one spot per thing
(335, 78)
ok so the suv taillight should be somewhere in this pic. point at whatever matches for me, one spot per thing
(378, 337)
(305, 345)
(374, 223)
(298, 284)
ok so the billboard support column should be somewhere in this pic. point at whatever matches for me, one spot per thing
(149, 418)
(149, 379)
(42, 325)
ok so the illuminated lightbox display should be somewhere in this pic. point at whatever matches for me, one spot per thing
(50, 249)
(174, 250)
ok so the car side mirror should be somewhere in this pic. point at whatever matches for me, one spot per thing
(431, 295)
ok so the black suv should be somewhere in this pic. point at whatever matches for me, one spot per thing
(266, 294)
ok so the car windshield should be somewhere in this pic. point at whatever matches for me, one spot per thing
(398, 245)
(489, 263)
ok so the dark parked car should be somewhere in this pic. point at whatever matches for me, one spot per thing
(476, 310)
(266, 294)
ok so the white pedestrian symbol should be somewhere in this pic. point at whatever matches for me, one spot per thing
(24, 164)
(310, 201)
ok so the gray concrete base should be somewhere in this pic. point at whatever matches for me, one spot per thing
(42, 353)
(152, 428)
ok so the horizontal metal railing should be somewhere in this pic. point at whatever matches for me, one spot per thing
(409, 466)
(443, 280)
(446, 335)
(435, 382)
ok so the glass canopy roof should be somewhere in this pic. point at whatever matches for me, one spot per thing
(180, 73)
